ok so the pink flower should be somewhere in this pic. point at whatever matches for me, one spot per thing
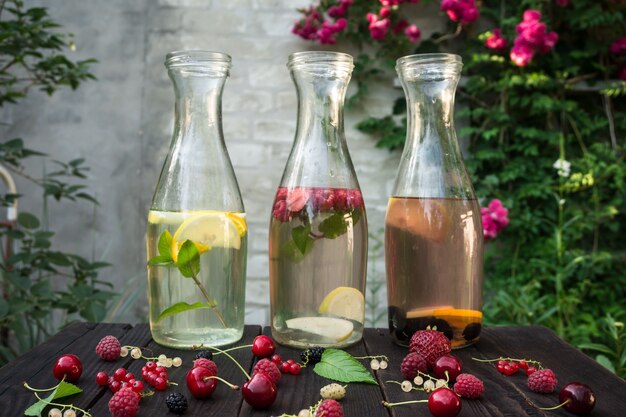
(413, 33)
(464, 11)
(378, 27)
(496, 40)
(619, 46)
(532, 32)
(562, 3)
(384, 12)
(548, 42)
(400, 26)
(532, 15)
(297, 199)
(336, 11)
(346, 3)
(521, 54)
(495, 217)
(389, 3)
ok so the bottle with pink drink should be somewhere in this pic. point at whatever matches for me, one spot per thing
(318, 229)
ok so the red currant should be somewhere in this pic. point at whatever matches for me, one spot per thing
(102, 378)
(151, 365)
(295, 368)
(138, 386)
(114, 385)
(119, 374)
(444, 402)
(290, 361)
(263, 346)
(523, 365)
(285, 367)
(531, 370)
(277, 359)
(128, 377)
(160, 384)
(160, 369)
(68, 366)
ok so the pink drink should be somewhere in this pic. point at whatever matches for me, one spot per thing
(318, 255)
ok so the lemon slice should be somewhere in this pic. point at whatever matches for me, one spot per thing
(207, 230)
(345, 302)
(331, 328)
(239, 221)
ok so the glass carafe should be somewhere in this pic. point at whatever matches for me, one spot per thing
(197, 233)
(433, 231)
(318, 229)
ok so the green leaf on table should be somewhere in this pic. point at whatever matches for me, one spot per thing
(64, 389)
(188, 259)
(334, 226)
(161, 261)
(165, 244)
(180, 308)
(301, 238)
(343, 367)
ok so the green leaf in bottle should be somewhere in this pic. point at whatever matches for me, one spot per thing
(302, 239)
(188, 260)
(182, 307)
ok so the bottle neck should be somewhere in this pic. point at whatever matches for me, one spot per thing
(198, 108)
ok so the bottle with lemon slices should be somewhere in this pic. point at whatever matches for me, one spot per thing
(318, 230)
(197, 232)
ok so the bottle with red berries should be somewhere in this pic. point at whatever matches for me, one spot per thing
(197, 232)
(433, 231)
(318, 229)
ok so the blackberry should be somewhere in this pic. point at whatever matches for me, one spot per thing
(176, 402)
(206, 354)
(311, 356)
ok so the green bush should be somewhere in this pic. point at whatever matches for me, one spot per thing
(561, 261)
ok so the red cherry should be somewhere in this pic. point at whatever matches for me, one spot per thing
(119, 374)
(137, 386)
(68, 366)
(260, 392)
(577, 398)
(102, 378)
(444, 402)
(277, 359)
(448, 364)
(295, 368)
(531, 370)
(199, 382)
(263, 346)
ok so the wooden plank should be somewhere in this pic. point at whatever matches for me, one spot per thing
(223, 402)
(296, 392)
(35, 367)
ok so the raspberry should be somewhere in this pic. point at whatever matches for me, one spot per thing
(468, 386)
(333, 392)
(329, 408)
(431, 344)
(108, 348)
(206, 363)
(268, 367)
(543, 381)
(124, 403)
(176, 402)
(412, 363)
(311, 356)
(206, 354)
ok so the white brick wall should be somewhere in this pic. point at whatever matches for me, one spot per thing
(259, 116)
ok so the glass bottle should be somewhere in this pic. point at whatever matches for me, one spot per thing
(433, 230)
(197, 233)
(318, 229)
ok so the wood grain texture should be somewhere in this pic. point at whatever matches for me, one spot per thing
(504, 396)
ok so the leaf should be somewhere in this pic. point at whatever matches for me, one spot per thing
(597, 347)
(334, 226)
(341, 366)
(64, 389)
(180, 308)
(606, 362)
(28, 221)
(189, 259)
(161, 261)
(292, 252)
(301, 238)
(165, 244)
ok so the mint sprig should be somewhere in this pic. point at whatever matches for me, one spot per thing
(343, 367)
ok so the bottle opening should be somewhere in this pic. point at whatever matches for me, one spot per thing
(196, 61)
(322, 63)
(429, 66)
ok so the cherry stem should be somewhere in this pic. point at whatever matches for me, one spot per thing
(510, 360)
(41, 389)
(555, 407)
(232, 359)
(63, 406)
(232, 386)
(234, 348)
(388, 405)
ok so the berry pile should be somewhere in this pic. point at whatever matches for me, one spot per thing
(120, 379)
(155, 375)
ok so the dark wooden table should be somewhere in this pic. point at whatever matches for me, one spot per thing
(504, 396)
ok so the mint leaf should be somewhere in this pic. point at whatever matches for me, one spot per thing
(189, 259)
(165, 244)
(181, 307)
(334, 226)
(301, 238)
(341, 366)
(292, 252)
(161, 261)
(65, 389)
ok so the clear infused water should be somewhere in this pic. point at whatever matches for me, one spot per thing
(318, 256)
(221, 239)
(434, 256)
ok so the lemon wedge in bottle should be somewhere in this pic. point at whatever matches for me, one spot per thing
(331, 328)
(344, 302)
